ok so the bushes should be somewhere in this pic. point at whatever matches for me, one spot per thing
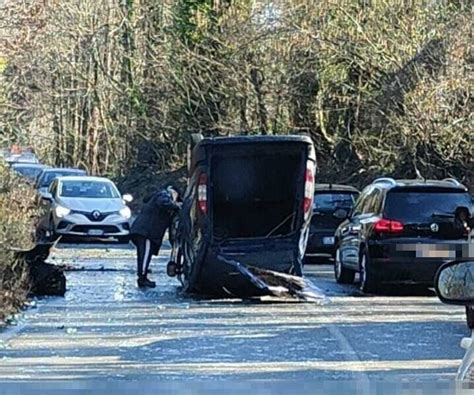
(17, 213)
(381, 86)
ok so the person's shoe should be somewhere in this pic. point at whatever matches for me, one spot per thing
(144, 282)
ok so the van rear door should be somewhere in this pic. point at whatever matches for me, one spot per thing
(257, 190)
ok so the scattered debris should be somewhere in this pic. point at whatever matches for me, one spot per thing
(46, 279)
(275, 284)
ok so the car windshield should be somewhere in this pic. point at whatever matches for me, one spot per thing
(23, 158)
(30, 172)
(49, 176)
(329, 201)
(422, 206)
(89, 189)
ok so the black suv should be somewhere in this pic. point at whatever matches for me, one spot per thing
(400, 232)
(332, 203)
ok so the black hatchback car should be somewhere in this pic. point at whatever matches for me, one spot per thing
(401, 232)
(331, 206)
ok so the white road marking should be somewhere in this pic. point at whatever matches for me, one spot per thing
(350, 355)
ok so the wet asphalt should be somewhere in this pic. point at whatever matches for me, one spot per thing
(107, 330)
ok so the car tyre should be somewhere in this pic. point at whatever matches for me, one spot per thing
(123, 239)
(368, 281)
(40, 235)
(53, 236)
(470, 316)
(343, 275)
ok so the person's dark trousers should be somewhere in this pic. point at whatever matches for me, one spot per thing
(145, 249)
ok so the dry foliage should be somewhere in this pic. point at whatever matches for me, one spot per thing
(383, 87)
(17, 216)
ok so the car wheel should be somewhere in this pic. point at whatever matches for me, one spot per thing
(343, 275)
(40, 234)
(53, 236)
(123, 239)
(470, 316)
(368, 280)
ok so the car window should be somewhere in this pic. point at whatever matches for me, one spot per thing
(49, 176)
(371, 204)
(360, 202)
(424, 205)
(30, 172)
(53, 188)
(89, 190)
(358, 205)
(330, 201)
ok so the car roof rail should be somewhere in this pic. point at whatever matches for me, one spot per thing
(385, 180)
(453, 181)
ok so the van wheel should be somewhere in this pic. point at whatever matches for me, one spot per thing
(470, 316)
(343, 275)
(368, 280)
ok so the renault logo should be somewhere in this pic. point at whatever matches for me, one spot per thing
(96, 214)
(434, 228)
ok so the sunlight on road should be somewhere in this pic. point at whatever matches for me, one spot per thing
(106, 327)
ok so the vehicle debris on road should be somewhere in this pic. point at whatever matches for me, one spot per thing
(46, 279)
(249, 200)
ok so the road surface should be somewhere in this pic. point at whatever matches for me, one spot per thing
(107, 330)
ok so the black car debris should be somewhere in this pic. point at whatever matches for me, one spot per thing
(401, 232)
(332, 204)
(246, 211)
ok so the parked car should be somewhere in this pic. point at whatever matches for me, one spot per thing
(47, 176)
(25, 157)
(89, 207)
(29, 171)
(248, 203)
(400, 232)
(332, 204)
(454, 284)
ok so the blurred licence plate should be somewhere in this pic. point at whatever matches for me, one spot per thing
(441, 250)
(328, 240)
(95, 232)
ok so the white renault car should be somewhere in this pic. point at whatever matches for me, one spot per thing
(86, 207)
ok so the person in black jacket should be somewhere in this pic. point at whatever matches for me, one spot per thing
(149, 228)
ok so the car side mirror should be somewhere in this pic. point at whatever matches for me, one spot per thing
(455, 282)
(341, 213)
(127, 198)
(47, 197)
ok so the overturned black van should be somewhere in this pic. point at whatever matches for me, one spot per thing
(248, 203)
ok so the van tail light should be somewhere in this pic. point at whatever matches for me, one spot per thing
(388, 226)
(308, 189)
(202, 193)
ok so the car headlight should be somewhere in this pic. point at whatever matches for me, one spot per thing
(61, 211)
(126, 213)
